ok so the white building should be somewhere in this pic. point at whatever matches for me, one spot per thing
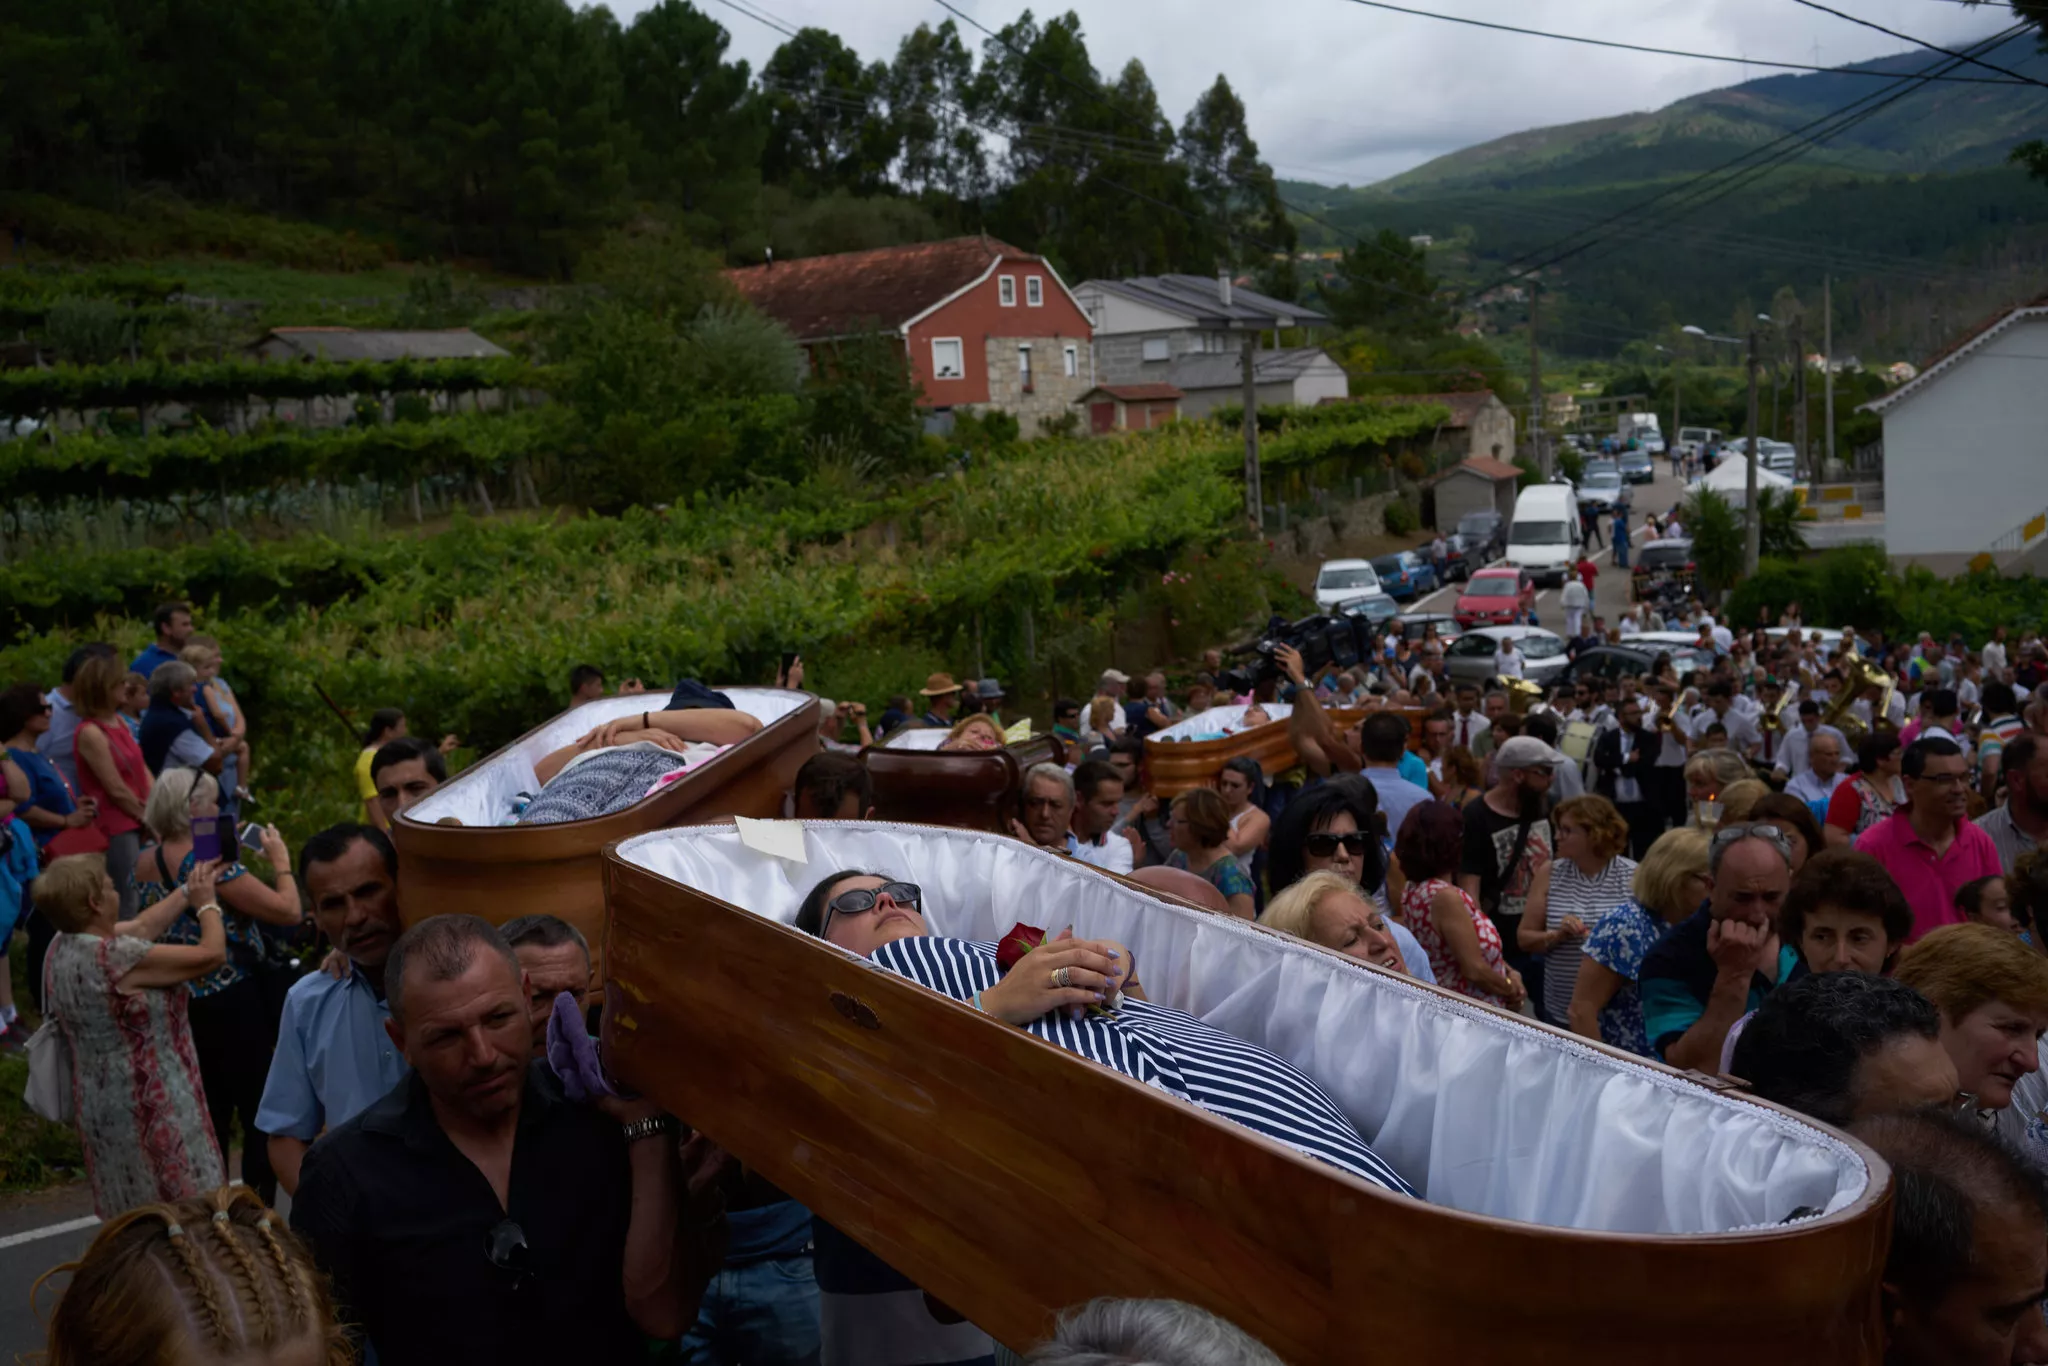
(1966, 448)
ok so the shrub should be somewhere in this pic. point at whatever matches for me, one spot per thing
(1401, 517)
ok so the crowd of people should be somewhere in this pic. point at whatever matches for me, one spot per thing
(1809, 862)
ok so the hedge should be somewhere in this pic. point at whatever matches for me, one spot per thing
(74, 388)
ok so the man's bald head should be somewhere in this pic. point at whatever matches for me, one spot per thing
(1750, 877)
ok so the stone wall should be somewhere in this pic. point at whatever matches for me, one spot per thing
(1318, 537)
(1053, 392)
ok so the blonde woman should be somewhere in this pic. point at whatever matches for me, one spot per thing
(1588, 876)
(217, 1277)
(121, 1002)
(1669, 885)
(977, 732)
(1330, 909)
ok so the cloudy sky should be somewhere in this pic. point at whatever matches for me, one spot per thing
(1339, 93)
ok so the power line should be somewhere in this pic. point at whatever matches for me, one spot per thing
(1919, 42)
(1791, 143)
(1661, 51)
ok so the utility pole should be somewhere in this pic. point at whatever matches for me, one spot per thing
(1253, 495)
(1536, 447)
(1752, 534)
(1827, 352)
(1804, 456)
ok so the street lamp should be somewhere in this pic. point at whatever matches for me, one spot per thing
(1752, 539)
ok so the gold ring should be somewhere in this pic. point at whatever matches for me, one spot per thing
(1060, 978)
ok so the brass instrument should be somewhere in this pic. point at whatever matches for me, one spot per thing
(1774, 719)
(1522, 695)
(1858, 674)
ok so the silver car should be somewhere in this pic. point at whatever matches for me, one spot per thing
(1469, 658)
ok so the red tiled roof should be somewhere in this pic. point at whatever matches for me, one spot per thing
(1491, 468)
(1138, 393)
(839, 296)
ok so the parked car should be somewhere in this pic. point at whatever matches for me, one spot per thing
(1405, 574)
(1411, 625)
(1626, 660)
(1636, 466)
(1779, 457)
(1495, 597)
(1375, 607)
(1660, 567)
(1691, 439)
(1599, 485)
(1686, 655)
(1339, 580)
(1653, 443)
(1469, 658)
(1485, 535)
(1545, 538)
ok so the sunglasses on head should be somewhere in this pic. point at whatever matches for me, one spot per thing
(1326, 846)
(860, 899)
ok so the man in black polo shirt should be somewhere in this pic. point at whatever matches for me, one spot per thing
(474, 1213)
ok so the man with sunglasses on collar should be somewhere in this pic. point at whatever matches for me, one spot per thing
(475, 1213)
(1717, 965)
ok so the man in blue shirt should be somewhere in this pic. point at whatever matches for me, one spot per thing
(334, 1057)
(169, 738)
(173, 622)
(1716, 966)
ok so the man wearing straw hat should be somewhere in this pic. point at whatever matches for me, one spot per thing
(941, 696)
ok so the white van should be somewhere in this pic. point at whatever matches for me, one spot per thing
(1545, 538)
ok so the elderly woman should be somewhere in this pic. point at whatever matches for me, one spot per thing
(1669, 885)
(625, 761)
(1334, 828)
(1462, 941)
(120, 1001)
(1586, 878)
(977, 732)
(1048, 992)
(1199, 828)
(1330, 909)
(231, 1022)
(1992, 992)
(1707, 773)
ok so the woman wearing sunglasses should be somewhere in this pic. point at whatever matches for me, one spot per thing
(1333, 828)
(1050, 991)
(1462, 941)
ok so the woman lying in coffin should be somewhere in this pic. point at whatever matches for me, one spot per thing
(624, 761)
(1083, 995)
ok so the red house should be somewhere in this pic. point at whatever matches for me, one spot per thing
(984, 324)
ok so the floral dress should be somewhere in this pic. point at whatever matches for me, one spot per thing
(141, 1109)
(1226, 874)
(1618, 944)
(245, 940)
(1415, 914)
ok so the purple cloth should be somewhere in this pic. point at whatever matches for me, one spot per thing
(572, 1053)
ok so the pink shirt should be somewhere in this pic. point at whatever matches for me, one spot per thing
(1929, 881)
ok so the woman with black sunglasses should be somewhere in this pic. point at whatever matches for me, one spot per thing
(1333, 827)
(1066, 992)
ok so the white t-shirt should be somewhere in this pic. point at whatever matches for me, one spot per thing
(1992, 656)
(1507, 665)
(1113, 854)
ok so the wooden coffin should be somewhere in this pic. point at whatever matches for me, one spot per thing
(970, 789)
(1583, 1205)
(1175, 763)
(498, 871)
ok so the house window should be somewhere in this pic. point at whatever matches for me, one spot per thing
(947, 362)
(1024, 367)
(1155, 348)
(1006, 290)
(1034, 291)
(1070, 356)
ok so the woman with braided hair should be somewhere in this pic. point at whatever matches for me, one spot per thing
(216, 1278)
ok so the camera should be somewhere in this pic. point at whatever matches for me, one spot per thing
(1321, 641)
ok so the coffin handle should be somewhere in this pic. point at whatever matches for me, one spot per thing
(856, 1010)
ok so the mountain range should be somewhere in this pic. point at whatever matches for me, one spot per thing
(1912, 208)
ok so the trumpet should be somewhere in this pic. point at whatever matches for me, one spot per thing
(1858, 674)
(1774, 719)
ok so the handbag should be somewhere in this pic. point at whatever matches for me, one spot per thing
(82, 839)
(49, 1091)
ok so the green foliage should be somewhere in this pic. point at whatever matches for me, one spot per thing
(1383, 284)
(1401, 517)
(1779, 533)
(1531, 475)
(1371, 429)
(34, 1153)
(1571, 464)
(158, 225)
(861, 392)
(72, 388)
(1715, 526)
(439, 298)
(88, 331)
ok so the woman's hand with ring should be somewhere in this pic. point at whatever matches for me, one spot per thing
(1033, 987)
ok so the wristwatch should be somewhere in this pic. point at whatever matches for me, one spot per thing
(650, 1127)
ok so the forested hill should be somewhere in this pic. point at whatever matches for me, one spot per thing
(1938, 127)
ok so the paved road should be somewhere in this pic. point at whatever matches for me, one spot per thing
(1610, 588)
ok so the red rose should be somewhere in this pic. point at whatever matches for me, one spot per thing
(1021, 940)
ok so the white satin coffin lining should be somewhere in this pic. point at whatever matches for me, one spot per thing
(484, 793)
(1480, 1112)
(1216, 720)
(919, 737)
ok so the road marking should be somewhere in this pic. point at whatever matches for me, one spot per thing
(49, 1231)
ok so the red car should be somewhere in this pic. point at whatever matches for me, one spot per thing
(1496, 597)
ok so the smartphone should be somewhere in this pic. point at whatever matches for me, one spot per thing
(205, 838)
(252, 837)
